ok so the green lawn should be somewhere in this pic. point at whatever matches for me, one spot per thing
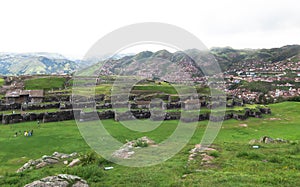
(237, 163)
(46, 83)
(2, 81)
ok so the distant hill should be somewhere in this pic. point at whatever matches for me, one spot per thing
(43, 63)
(148, 64)
(229, 59)
(35, 63)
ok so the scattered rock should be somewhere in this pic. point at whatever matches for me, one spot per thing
(147, 140)
(47, 160)
(61, 180)
(66, 162)
(272, 119)
(184, 176)
(267, 140)
(74, 162)
(243, 125)
(206, 158)
(251, 142)
(41, 165)
(203, 152)
(51, 160)
(63, 155)
(27, 165)
(127, 150)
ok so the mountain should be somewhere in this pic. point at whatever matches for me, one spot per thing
(35, 63)
(173, 65)
(44, 63)
(150, 64)
(153, 65)
(235, 59)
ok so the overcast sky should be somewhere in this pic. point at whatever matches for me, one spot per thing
(72, 27)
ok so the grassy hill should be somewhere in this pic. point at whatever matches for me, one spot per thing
(230, 58)
(2, 81)
(236, 162)
(45, 83)
(35, 63)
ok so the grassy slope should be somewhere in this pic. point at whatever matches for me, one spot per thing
(46, 83)
(1, 81)
(237, 165)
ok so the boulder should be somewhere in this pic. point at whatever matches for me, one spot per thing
(74, 162)
(127, 150)
(49, 160)
(41, 165)
(61, 180)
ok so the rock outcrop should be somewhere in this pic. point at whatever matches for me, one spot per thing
(55, 158)
(127, 150)
(267, 140)
(61, 180)
(203, 153)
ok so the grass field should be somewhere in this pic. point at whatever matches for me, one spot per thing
(46, 83)
(236, 163)
(1, 81)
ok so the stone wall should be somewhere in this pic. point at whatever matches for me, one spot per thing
(129, 115)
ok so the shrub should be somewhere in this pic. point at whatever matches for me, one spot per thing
(214, 154)
(140, 143)
(89, 158)
(242, 154)
(276, 159)
(249, 155)
(295, 150)
(91, 173)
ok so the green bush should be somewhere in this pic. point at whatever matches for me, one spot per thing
(91, 173)
(140, 143)
(214, 154)
(89, 158)
(249, 155)
(275, 159)
(295, 150)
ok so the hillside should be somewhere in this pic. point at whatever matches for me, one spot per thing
(230, 60)
(163, 64)
(36, 63)
(235, 162)
(235, 59)
(147, 63)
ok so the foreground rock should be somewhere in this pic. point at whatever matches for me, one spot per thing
(268, 140)
(55, 158)
(127, 150)
(203, 152)
(61, 180)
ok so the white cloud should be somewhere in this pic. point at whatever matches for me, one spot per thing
(71, 27)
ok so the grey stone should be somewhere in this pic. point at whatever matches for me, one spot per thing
(41, 165)
(61, 180)
(74, 162)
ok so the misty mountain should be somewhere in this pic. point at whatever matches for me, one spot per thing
(150, 64)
